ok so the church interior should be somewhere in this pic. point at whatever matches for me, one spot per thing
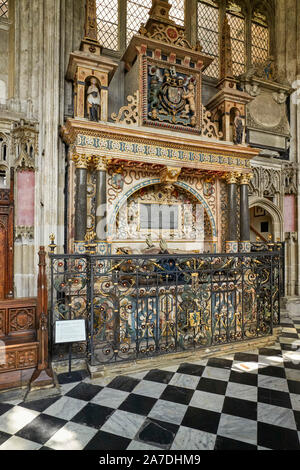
(149, 220)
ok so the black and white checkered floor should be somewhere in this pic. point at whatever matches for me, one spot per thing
(243, 401)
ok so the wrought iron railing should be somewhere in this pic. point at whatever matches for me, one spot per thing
(138, 306)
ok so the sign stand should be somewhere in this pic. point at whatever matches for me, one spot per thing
(70, 331)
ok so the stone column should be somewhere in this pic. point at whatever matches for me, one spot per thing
(80, 197)
(244, 244)
(232, 242)
(101, 212)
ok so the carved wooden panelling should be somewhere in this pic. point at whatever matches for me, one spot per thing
(2, 322)
(21, 319)
(26, 358)
(20, 359)
(10, 362)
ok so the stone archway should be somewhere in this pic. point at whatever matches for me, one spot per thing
(273, 211)
(149, 182)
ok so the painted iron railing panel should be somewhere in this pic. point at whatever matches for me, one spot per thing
(138, 306)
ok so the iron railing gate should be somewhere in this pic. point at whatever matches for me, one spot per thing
(137, 306)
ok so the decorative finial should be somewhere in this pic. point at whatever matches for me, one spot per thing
(226, 70)
(90, 42)
(52, 244)
(89, 238)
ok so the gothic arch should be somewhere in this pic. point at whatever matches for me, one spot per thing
(274, 212)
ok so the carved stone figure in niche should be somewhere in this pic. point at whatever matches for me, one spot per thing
(93, 100)
(238, 128)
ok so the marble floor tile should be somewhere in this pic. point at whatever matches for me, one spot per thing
(216, 373)
(275, 383)
(123, 424)
(207, 401)
(249, 367)
(102, 381)
(170, 368)
(288, 330)
(275, 415)
(265, 361)
(18, 443)
(157, 433)
(65, 388)
(16, 418)
(244, 392)
(150, 389)
(295, 400)
(225, 443)
(136, 445)
(193, 439)
(65, 408)
(110, 397)
(292, 374)
(292, 356)
(138, 375)
(291, 341)
(185, 381)
(168, 411)
(240, 429)
(106, 441)
(72, 436)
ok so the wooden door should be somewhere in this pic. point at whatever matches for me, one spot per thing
(3, 257)
(6, 240)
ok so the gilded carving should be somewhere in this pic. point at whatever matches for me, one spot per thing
(245, 178)
(128, 114)
(99, 163)
(232, 178)
(173, 94)
(169, 174)
(81, 161)
(209, 128)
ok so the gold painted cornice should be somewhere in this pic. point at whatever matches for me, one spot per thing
(74, 127)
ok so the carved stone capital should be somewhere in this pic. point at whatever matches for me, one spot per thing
(232, 177)
(24, 232)
(169, 174)
(25, 162)
(99, 163)
(245, 178)
(81, 161)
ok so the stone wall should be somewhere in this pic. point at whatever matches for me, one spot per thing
(287, 22)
